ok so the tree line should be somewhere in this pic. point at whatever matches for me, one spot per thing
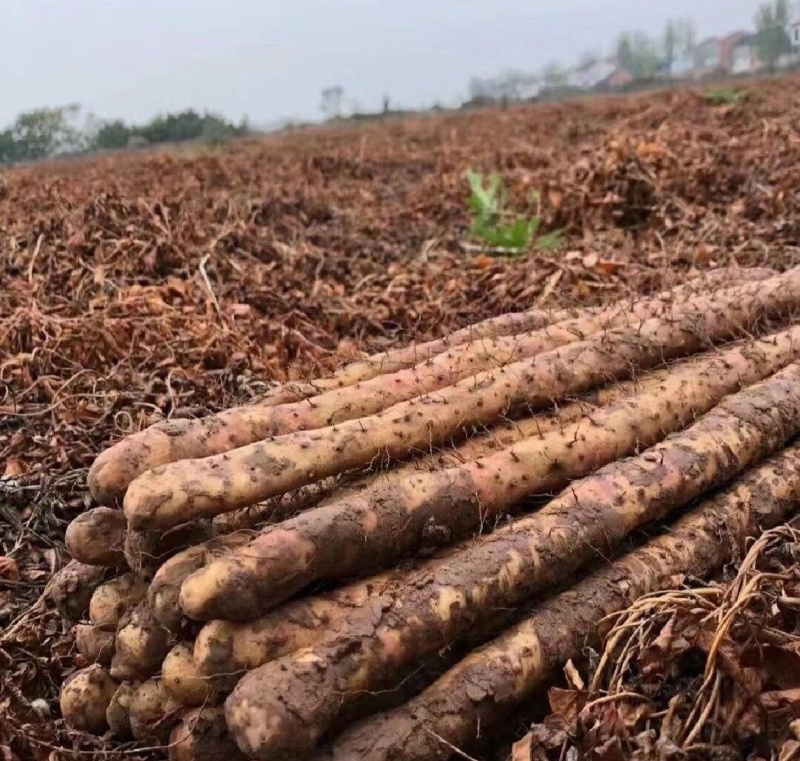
(49, 132)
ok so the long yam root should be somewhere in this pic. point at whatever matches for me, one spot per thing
(224, 650)
(164, 591)
(140, 644)
(118, 713)
(72, 587)
(173, 441)
(96, 537)
(182, 491)
(146, 551)
(282, 709)
(379, 525)
(110, 601)
(94, 644)
(84, 698)
(522, 660)
(202, 735)
(185, 683)
(153, 713)
(395, 360)
(165, 587)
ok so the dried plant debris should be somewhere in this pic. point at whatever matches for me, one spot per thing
(695, 671)
(174, 284)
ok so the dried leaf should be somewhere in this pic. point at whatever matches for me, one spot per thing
(573, 676)
(9, 570)
(566, 703)
(14, 467)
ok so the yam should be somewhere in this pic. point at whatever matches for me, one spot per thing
(172, 441)
(85, 696)
(140, 644)
(96, 537)
(118, 713)
(94, 644)
(522, 660)
(72, 587)
(183, 680)
(153, 713)
(182, 491)
(376, 527)
(110, 601)
(283, 708)
(201, 735)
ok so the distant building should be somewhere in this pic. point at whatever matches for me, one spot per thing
(683, 65)
(604, 74)
(591, 74)
(794, 33)
(723, 54)
(618, 79)
(728, 45)
(744, 55)
(707, 55)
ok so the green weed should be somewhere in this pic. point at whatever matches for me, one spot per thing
(725, 96)
(500, 228)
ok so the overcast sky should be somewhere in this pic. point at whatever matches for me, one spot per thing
(269, 59)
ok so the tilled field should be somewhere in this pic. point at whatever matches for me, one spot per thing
(168, 285)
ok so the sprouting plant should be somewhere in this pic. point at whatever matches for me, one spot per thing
(725, 96)
(500, 228)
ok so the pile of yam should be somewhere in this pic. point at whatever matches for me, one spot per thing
(389, 562)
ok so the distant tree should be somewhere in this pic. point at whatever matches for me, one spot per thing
(625, 54)
(331, 104)
(112, 136)
(687, 36)
(511, 84)
(639, 54)
(45, 132)
(671, 43)
(772, 32)
(188, 125)
(553, 75)
(9, 152)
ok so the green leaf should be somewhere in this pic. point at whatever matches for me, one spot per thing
(549, 242)
(483, 201)
(516, 236)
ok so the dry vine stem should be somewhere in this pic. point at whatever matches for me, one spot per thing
(523, 659)
(182, 491)
(742, 604)
(172, 441)
(282, 709)
(376, 527)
